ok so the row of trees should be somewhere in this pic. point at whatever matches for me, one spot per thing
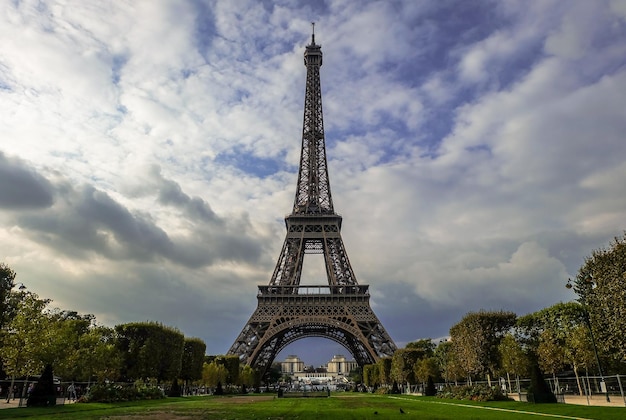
(485, 344)
(33, 335)
(557, 339)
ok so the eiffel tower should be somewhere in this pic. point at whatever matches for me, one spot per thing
(288, 311)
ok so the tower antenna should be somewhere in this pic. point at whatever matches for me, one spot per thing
(313, 33)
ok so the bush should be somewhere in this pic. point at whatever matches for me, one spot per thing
(116, 393)
(430, 390)
(473, 393)
(382, 391)
(539, 391)
(219, 390)
(175, 389)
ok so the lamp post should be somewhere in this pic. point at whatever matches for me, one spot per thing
(603, 387)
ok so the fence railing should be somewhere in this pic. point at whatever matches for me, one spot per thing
(583, 386)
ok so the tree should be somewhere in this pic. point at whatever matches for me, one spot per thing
(513, 359)
(445, 359)
(150, 350)
(425, 345)
(213, 373)
(578, 352)
(384, 370)
(553, 334)
(27, 335)
(8, 302)
(193, 359)
(601, 288)
(231, 363)
(426, 368)
(402, 365)
(475, 341)
(7, 305)
(551, 354)
(63, 341)
(371, 376)
(247, 376)
(356, 375)
(97, 356)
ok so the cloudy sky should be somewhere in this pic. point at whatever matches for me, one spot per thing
(149, 153)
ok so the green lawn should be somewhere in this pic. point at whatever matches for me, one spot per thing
(338, 406)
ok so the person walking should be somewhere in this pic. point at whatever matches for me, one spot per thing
(71, 392)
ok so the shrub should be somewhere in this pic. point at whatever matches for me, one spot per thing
(539, 391)
(382, 391)
(219, 390)
(430, 390)
(175, 389)
(473, 393)
(44, 394)
(117, 393)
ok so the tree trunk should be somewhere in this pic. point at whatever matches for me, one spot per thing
(580, 389)
(10, 390)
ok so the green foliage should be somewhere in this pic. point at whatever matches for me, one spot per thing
(478, 392)
(558, 335)
(446, 362)
(97, 356)
(403, 364)
(601, 287)
(44, 393)
(475, 340)
(213, 373)
(193, 359)
(513, 359)
(426, 345)
(384, 370)
(150, 350)
(7, 305)
(231, 363)
(426, 368)
(31, 341)
(247, 376)
(371, 375)
(356, 375)
(110, 393)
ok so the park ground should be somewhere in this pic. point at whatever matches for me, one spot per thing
(338, 406)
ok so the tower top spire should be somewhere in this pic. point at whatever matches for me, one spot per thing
(313, 52)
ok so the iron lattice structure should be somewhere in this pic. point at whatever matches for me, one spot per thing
(288, 311)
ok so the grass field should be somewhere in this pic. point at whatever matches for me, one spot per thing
(338, 406)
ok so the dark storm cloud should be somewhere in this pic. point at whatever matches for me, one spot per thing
(22, 187)
(170, 193)
(87, 221)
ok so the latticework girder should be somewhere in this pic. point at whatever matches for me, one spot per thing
(286, 314)
(288, 311)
